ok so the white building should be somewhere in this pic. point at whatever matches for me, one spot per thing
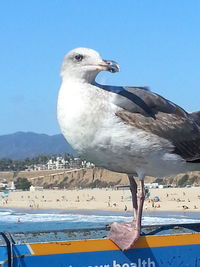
(35, 188)
(58, 164)
(12, 186)
(40, 167)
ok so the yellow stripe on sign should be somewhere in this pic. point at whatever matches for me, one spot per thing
(168, 240)
(106, 244)
(73, 246)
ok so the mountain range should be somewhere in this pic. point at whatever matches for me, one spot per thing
(21, 145)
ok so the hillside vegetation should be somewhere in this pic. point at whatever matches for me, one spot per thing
(90, 178)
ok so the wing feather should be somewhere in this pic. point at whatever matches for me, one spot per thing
(151, 112)
(169, 121)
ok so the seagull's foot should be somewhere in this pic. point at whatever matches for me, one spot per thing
(124, 235)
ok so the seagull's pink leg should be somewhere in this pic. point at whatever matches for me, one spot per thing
(126, 234)
(133, 188)
(141, 197)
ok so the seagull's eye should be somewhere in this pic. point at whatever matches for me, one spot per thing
(78, 57)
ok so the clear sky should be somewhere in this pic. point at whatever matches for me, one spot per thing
(156, 43)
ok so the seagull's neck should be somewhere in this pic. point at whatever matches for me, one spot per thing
(80, 77)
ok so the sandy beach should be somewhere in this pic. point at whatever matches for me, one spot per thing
(170, 199)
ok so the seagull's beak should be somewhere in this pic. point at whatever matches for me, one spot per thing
(110, 65)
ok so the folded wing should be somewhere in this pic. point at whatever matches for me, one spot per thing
(150, 112)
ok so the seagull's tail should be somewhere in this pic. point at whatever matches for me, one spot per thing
(196, 116)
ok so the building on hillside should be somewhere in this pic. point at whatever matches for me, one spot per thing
(75, 163)
(40, 167)
(57, 164)
(36, 167)
(87, 164)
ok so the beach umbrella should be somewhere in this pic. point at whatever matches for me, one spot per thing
(156, 199)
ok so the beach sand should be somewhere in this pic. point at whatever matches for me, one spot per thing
(170, 199)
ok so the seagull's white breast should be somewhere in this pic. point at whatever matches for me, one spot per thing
(87, 120)
(79, 115)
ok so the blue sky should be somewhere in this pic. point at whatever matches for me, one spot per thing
(156, 43)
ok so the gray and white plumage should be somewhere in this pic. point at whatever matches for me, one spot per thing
(124, 129)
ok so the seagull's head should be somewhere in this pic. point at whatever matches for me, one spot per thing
(85, 63)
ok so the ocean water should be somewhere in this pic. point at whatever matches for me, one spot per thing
(40, 220)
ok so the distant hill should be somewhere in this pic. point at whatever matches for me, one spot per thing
(27, 144)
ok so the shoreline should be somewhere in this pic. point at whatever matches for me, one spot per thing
(171, 214)
(112, 210)
(170, 200)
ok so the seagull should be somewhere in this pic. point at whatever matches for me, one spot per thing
(124, 129)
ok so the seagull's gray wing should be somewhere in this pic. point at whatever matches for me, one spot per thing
(150, 112)
(140, 100)
(196, 116)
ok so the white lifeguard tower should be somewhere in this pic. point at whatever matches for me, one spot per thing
(12, 186)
